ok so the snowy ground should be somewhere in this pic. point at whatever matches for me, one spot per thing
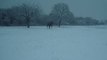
(65, 43)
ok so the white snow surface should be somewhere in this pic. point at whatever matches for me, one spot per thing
(65, 43)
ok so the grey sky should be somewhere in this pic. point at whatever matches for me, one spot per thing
(84, 8)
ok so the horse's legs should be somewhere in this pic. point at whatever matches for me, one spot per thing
(49, 26)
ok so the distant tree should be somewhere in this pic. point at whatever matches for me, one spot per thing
(38, 15)
(91, 21)
(3, 16)
(45, 19)
(105, 22)
(11, 16)
(23, 15)
(86, 21)
(27, 14)
(61, 14)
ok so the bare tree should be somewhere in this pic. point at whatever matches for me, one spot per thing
(27, 14)
(3, 16)
(62, 14)
(11, 16)
(30, 12)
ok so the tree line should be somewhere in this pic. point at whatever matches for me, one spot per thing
(26, 15)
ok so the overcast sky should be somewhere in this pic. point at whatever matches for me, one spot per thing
(80, 8)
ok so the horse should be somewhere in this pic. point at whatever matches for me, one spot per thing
(50, 24)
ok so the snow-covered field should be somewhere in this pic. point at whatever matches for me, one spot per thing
(65, 43)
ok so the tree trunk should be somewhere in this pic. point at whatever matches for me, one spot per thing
(60, 23)
(28, 22)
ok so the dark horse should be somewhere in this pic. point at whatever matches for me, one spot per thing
(50, 24)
